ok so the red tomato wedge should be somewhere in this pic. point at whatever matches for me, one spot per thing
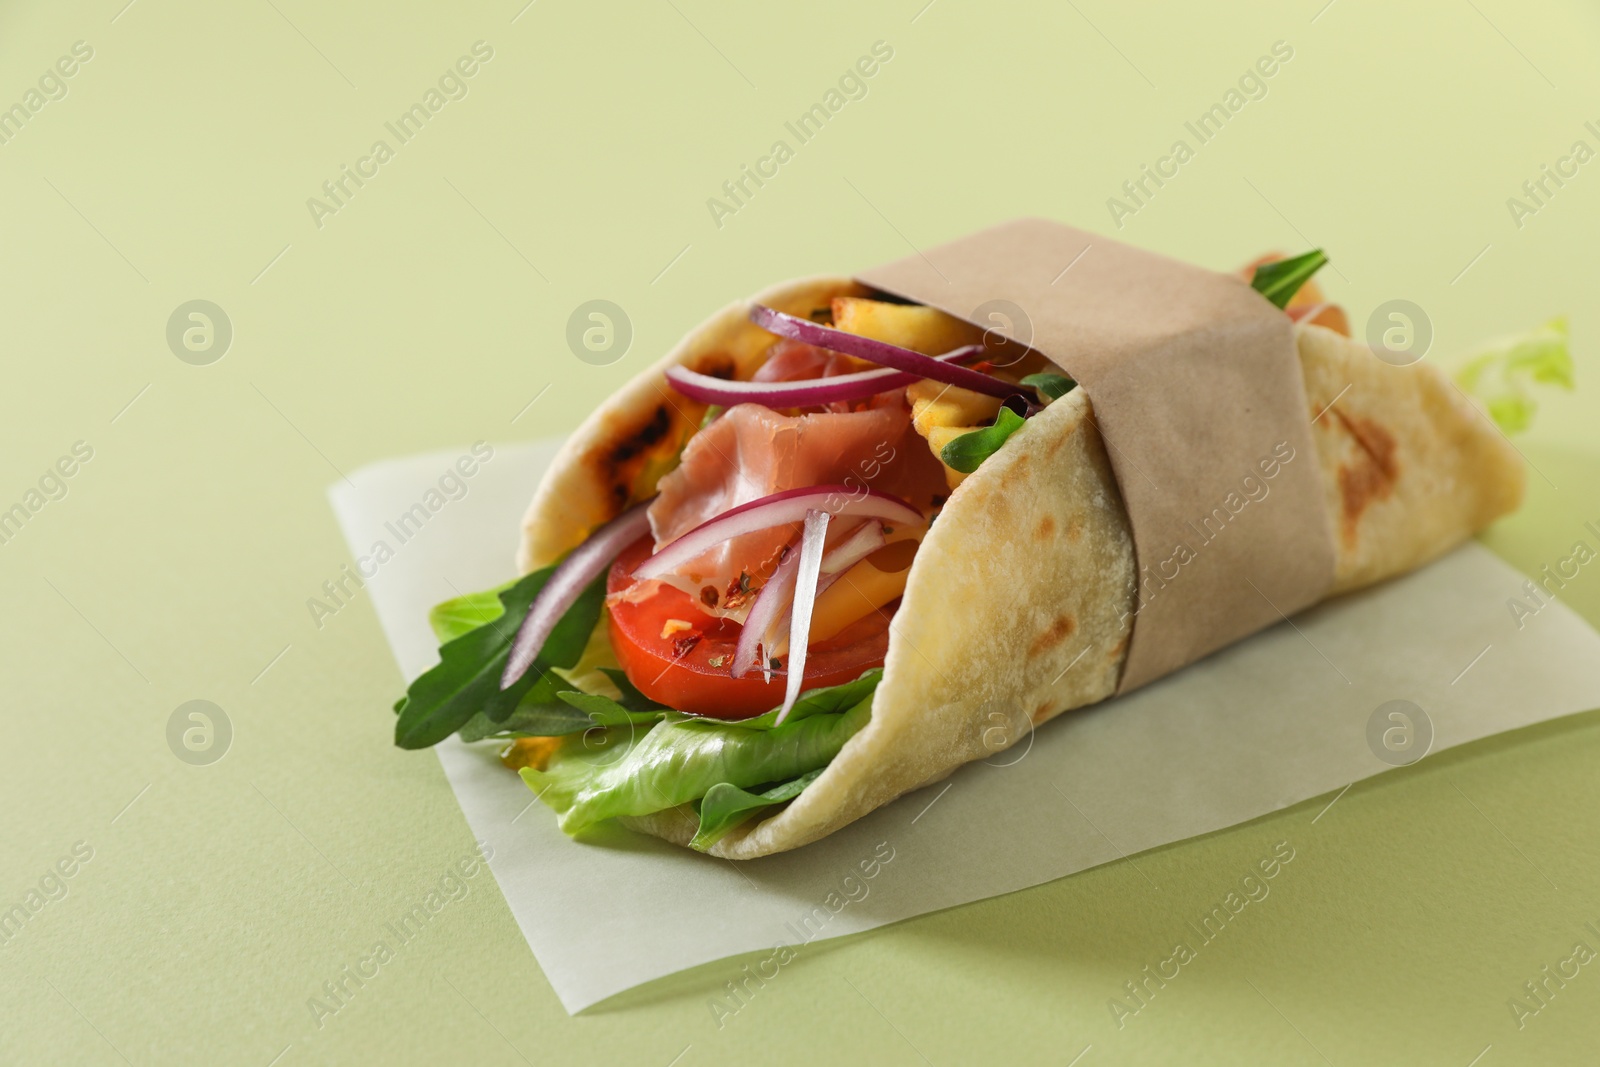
(688, 668)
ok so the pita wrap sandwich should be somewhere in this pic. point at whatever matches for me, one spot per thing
(836, 544)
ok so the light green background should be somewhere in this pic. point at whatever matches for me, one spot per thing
(432, 308)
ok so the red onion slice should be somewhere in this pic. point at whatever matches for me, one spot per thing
(769, 604)
(788, 506)
(805, 597)
(808, 392)
(880, 352)
(567, 583)
(861, 543)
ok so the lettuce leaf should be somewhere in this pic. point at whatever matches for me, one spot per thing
(832, 700)
(621, 753)
(726, 806)
(461, 615)
(597, 669)
(1501, 373)
(626, 770)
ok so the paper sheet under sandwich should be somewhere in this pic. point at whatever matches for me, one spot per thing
(1265, 724)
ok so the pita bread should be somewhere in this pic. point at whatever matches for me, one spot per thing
(1409, 465)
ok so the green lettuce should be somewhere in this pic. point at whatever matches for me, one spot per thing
(461, 615)
(621, 753)
(833, 700)
(629, 770)
(726, 806)
(1500, 374)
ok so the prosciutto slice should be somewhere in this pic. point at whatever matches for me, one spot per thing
(751, 452)
(793, 361)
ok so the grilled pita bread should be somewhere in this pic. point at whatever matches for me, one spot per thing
(1036, 548)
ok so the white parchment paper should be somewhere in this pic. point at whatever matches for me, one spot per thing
(1268, 723)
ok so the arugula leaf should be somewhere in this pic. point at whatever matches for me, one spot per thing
(466, 680)
(577, 711)
(467, 675)
(1500, 374)
(632, 699)
(626, 771)
(530, 719)
(603, 711)
(727, 806)
(967, 452)
(571, 712)
(1279, 281)
(1050, 386)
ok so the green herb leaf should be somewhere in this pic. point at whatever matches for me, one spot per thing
(1279, 281)
(967, 452)
(624, 770)
(1502, 371)
(466, 681)
(632, 699)
(830, 700)
(530, 719)
(1050, 386)
(603, 711)
(570, 712)
(711, 415)
(725, 806)
(463, 614)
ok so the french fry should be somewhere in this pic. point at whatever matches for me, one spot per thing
(937, 404)
(921, 329)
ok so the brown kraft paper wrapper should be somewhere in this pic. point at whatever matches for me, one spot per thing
(1196, 387)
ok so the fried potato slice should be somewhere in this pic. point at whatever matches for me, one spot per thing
(921, 329)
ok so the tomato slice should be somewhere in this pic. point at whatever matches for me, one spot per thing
(688, 669)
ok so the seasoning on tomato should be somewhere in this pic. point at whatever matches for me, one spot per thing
(681, 657)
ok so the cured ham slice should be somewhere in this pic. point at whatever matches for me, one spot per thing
(751, 452)
(793, 361)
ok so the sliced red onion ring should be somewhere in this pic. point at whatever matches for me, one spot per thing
(776, 510)
(807, 392)
(857, 546)
(805, 597)
(880, 352)
(848, 553)
(769, 604)
(861, 543)
(567, 583)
